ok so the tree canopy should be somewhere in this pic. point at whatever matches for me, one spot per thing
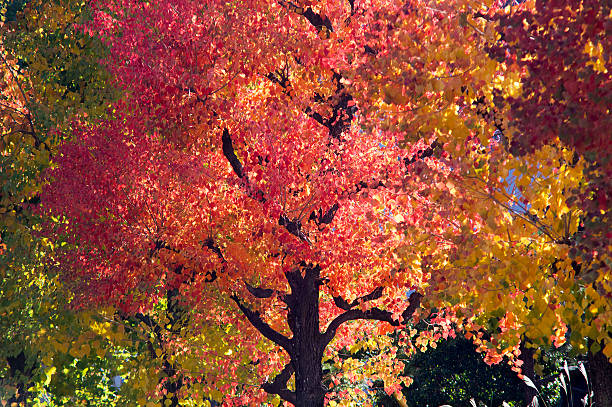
(247, 187)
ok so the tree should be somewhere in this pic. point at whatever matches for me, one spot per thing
(453, 373)
(534, 184)
(46, 78)
(51, 354)
(304, 165)
(531, 170)
(235, 179)
(569, 94)
(564, 100)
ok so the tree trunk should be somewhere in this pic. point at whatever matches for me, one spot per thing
(529, 371)
(307, 344)
(303, 318)
(600, 377)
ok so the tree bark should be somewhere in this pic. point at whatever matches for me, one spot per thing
(529, 371)
(600, 377)
(303, 319)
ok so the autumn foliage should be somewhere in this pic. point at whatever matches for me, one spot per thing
(283, 180)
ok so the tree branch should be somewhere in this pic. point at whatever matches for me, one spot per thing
(230, 154)
(428, 152)
(259, 292)
(37, 141)
(373, 314)
(279, 385)
(345, 305)
(266, 330)
(294, 227)
(315, 19)
(341, 113)
(324, 218)
(209, 243)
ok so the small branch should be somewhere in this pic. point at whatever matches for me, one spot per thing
(25, 100)
(364, 185)
(210, 244)
(484, 16)
(316, 20)
(259, 292)
(352, 3)
(313, 18)
(266, 330)
(324, 218)
(421, 154)
(294, 227)
(345, 305)
(279, 385)
(230, 154)
(316, 116)
(370, 50)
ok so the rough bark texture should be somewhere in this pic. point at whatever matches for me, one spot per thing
(600, 376)
(303, 319)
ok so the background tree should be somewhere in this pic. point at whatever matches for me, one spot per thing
(454, 373)
(567, 94)
(530, 200)
(50, 72)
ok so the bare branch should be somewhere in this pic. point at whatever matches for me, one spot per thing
(315, 19)
(294, 227)
(259, 292)
(210, 244)
(230, 154)
(428, 152)
(324, 218)
(370, 50)
(373, 314)
(266, 330)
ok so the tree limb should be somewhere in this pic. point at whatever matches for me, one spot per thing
(373, 314)
(428, 152)
(293, 226)
(315, 19)
(279, 385)
(230, 154)
(259, 292)
(324, 218)
(266, 330)
(345, 305)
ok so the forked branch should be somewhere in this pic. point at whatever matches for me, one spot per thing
(279, 385)
(373, 314)
(266, 330)
(259, 292)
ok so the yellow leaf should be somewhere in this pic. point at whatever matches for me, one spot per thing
(607, 351)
